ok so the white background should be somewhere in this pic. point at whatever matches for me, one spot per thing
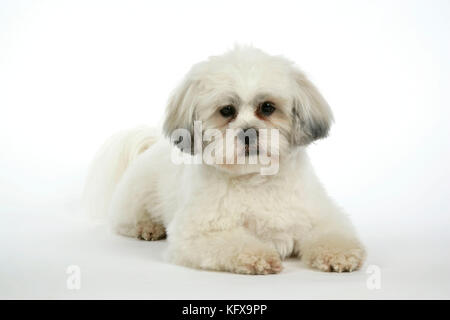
(74, 72)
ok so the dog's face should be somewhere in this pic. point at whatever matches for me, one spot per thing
(269, 105)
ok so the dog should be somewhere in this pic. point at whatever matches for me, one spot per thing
(227, 213)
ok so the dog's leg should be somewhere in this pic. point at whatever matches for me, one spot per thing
(137, 222)
(129, 208)
(332, 245)
(145, 229)
(230, 250)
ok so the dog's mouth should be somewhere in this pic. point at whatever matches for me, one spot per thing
(251, 150)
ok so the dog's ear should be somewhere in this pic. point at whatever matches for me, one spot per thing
(181, 114)
(180, 110)
(311, 114)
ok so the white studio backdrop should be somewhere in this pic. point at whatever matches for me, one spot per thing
(74, 72)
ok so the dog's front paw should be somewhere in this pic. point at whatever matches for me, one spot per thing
(335, 254)
(257, 262)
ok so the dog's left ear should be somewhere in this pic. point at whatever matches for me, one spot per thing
(311, 114)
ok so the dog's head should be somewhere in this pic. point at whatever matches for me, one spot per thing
(252, 94)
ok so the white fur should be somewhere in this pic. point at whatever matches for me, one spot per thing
(227, 218)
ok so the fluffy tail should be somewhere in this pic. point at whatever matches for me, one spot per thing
(109, 165)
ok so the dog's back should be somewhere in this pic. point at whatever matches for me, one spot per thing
(110, 163)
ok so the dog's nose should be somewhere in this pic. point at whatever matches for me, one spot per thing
(248, 136)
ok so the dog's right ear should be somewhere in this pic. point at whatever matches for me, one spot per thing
(180, 110)
(181, 113)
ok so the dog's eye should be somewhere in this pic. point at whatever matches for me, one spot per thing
(266, 108)
(228, 111)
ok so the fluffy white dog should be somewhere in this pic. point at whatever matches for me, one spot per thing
(224, 214)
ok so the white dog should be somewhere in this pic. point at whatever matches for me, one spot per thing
(222, 215)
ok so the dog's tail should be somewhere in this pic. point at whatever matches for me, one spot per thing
(109, 164)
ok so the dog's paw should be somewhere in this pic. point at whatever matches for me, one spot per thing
(335, 255)
(143, 230)
(148, 230)
(337, 260)
(258, 262)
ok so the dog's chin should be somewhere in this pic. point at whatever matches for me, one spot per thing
(239, 169)
(250, 157)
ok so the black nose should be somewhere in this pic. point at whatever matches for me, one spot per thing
(248, 136)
